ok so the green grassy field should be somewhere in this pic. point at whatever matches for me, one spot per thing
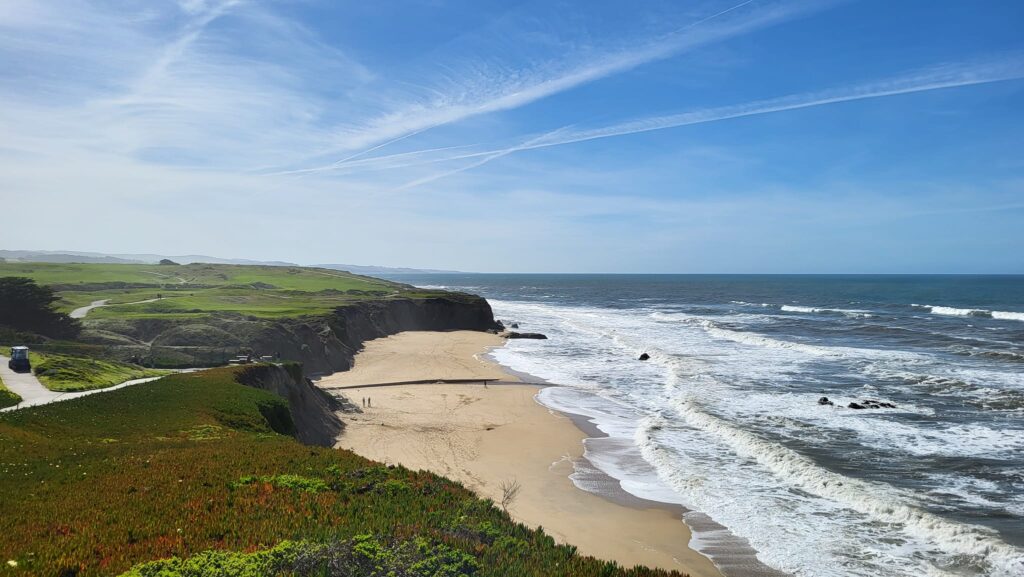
(195, 464)
(66, 373)
(199, 290)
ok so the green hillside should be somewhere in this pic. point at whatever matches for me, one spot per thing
(196, 290)
(98, 485)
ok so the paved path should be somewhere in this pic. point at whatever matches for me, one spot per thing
(80, 312)
(27, 385)
(33, 392)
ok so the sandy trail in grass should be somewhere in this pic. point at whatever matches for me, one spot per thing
(80, 312)
(482, 436)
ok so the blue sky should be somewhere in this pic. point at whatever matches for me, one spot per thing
(645, 136)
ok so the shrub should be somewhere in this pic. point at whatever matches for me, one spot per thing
(26, 306)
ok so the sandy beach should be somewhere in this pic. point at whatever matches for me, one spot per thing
(483, 436)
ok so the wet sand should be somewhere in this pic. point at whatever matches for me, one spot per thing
(484, 436)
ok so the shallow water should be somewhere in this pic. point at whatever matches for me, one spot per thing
(724, 419)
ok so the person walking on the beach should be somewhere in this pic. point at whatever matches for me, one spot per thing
(369, 402)
(364, 402)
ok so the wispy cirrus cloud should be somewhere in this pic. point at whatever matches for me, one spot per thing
(944, 76)
(465, 88)
(180, 83)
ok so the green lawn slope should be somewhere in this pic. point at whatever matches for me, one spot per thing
(197, 290)
(65, 373)
(202, 472)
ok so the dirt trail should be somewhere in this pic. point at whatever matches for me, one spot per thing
(80, 312)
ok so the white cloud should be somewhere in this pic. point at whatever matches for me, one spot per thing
(468, 87)
(949, 75)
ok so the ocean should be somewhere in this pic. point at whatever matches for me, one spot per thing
(728, 417)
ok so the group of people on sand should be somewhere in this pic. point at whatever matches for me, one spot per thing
(367, 402)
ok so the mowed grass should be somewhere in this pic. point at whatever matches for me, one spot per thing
(199, 290)
(288, 278)
(66, 373)
(250, 302)
(197, 462)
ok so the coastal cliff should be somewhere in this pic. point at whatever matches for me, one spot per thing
(327, 345)
(314, 419)
(322, 343)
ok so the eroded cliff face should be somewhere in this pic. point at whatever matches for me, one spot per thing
(313, 411)
(328, 345)
(322, 344)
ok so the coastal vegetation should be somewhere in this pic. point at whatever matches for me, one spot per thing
(202, 315)
(8, 398)
(197, 290)
(65, 373)
(197, 474)
(27, 306)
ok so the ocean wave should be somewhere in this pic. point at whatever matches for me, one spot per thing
(960, 312)
(881, 503)
(853, 313)
(1008, 316)
(778, 375)
(988, 354)
(755, 339)
(746, 304)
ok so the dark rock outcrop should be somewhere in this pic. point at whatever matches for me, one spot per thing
(644, 357)
(825, 401)
(871, 404)
(515, 335)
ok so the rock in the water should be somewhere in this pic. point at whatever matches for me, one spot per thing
(856, 405)
(825, 401)
(515, 335)
(645, 356)
(514, 325)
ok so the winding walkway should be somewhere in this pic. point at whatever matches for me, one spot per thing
(80, 312)
(33, 393)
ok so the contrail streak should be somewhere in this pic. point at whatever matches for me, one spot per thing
(686, 38)
(483, 160)
(950, 76)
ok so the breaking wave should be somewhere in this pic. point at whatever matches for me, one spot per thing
(959, 312)
(854, 313)
(881, 503)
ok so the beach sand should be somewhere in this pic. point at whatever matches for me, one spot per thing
(482, 436)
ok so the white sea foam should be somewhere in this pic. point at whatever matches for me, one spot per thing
(757, 340)
(953, 441)
(753, 388)
(961, 312)
(1008, 316)
(854, 313)
(882, 503)
(955, 312)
